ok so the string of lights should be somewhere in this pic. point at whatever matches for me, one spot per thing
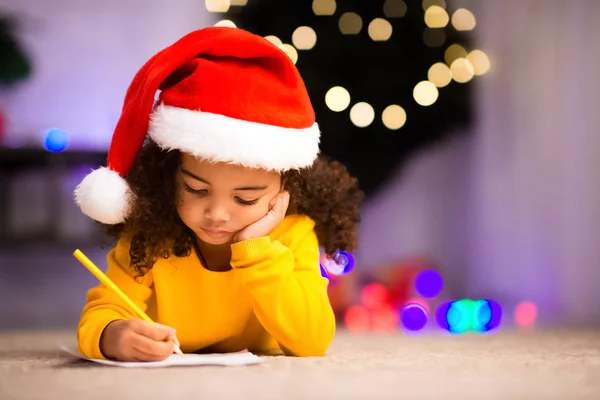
(459, 65)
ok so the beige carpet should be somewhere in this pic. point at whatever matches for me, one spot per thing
(539, 365)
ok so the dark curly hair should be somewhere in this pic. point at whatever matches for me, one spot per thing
(325, 192)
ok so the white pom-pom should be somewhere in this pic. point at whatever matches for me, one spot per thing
(104, 196)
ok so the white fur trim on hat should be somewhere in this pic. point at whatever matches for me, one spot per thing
(224, 139)
(104, 196)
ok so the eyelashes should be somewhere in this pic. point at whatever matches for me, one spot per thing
(204, 192)
(246, 202)
(194, 191)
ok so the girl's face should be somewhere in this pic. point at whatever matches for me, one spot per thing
(217, 200)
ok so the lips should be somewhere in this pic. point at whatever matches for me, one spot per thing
(215, 233)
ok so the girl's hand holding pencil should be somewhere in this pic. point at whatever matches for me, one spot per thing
(133, 339)
(137, 340)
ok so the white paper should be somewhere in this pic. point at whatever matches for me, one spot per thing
(226, 359)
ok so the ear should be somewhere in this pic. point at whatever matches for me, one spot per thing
(283, 181)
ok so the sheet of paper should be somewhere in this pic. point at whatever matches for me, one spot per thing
(227, 359)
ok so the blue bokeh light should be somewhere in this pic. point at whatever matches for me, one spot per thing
(441, 315)
(495, 315)
(483, 315)
(56, 140)
(343, 267)
(429, 283)
(324, 273)
(414, 317)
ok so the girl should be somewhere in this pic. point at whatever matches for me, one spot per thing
(219, 202)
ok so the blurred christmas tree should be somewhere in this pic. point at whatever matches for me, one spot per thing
(15, 65)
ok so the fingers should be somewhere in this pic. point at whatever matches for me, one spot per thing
(286, 198)
(280, 201)
(283, 202)
(156, 332)
(147, 349)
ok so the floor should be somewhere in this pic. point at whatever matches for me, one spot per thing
(563, 364)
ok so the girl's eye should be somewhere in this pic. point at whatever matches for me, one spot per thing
(194, 191)
(246, 202)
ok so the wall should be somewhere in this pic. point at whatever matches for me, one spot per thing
(85, 53)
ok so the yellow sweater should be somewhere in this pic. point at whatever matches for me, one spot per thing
(274, 297)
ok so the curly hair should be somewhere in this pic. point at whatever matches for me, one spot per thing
(325, 192)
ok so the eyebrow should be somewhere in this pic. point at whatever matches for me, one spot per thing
(245, 188)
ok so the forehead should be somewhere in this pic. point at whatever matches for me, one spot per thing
(227, 174)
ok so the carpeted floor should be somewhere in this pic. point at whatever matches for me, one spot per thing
(509, 366)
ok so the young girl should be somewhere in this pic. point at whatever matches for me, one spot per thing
(219, 204)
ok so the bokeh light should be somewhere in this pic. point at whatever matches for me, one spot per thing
(393, 117)
(463, 20)
(482, 315)
(362, 114)
(384, 319)
(217, 6)
(304, 38)
(324, 272)
(356, 319)
(421, 302)
(436, 17)
(344, 265)
(350, 23)
(337, 99)
(453, 52)
(374, 295)
(394, 8)
(275, 40)
(55, 140)
(480, 61)
(380, 30)
(324, 7)
(462, 70)
(440, 75)
(414, 317)
(459, 316)
(425, 93)
(441, 315)
(291, 52)
(467, 315)
(429, 283)
(226, 23)
(496, 318)
(525, 314)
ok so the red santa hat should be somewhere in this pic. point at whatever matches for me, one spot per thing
(225, 95)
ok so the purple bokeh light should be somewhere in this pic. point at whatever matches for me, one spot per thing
(414, 317)
(429, 283)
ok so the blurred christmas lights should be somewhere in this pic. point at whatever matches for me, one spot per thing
(343, 266)
(429, 283)
(525, 314)
(55, 140)
(461, 67)
(414, 317)
(467, 315)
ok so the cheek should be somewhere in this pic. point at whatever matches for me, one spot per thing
(190, 210)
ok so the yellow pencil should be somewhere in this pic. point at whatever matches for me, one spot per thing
(108, 283)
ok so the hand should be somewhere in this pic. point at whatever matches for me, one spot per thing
(277, 209)
(137, 340)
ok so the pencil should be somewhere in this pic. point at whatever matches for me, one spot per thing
(108, 283)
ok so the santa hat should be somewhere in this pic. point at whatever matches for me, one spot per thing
(225, 95)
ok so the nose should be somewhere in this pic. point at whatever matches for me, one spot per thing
(216, 213)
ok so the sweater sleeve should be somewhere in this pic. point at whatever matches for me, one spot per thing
(289, 294)
(104, 306)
